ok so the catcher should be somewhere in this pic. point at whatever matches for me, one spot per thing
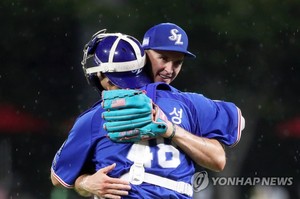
(137, 141)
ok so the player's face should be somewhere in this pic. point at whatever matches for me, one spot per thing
(165, 64)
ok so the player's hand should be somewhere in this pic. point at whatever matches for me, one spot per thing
(101, 185)
(131, 116)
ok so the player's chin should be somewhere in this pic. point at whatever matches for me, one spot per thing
(163, 79)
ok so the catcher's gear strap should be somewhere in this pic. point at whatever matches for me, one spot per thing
(180, 187)
(116, 67)
(137, 174)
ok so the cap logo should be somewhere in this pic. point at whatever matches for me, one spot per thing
(146, 41)
(137, 71)
(176, 37)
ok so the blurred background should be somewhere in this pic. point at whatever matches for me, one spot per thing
(247, 53)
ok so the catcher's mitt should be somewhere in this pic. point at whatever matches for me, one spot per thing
(131, 116)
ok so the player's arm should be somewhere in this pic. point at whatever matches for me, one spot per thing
(54, 181)
(100, 184)
(221, 124)
(79, 144)
(206, 152)
(81, 185)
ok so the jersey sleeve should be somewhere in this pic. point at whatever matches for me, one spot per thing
(218, 119)
(71, 158)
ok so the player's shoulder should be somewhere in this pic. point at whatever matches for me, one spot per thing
(89, 120)
(187, 97)
(93, 111)
(157, 86)
(194, 97)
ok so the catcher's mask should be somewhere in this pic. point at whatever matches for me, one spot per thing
(120, 57)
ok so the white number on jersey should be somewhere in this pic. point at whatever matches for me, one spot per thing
(167, 155)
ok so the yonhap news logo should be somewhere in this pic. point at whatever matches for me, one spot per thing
(201, 181)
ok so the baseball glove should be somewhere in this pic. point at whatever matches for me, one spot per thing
(131, 116)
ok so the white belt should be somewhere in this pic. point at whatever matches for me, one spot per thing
(181, 187)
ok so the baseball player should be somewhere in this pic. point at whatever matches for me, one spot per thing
(156, 168)
(166, 47)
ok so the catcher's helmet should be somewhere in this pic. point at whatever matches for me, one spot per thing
(119, 56)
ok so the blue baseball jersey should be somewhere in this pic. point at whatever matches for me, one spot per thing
(216, 119)
(87, 148)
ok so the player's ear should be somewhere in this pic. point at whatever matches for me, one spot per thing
(111, 86)
(110, 83)
(148, 66)
(100, 75)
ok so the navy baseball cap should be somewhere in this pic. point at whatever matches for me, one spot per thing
(167, 36)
